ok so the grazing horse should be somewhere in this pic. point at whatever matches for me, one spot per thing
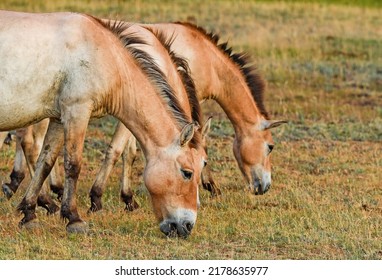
(178, 75)
(70, 67)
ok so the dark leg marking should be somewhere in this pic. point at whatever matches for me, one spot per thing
(128, 199)
(10, 188)
(95, 199)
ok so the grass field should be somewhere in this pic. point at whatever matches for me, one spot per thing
(323, 67)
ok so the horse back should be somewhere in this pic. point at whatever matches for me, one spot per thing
(48, 59)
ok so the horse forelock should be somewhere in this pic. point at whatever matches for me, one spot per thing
(254, 81)
(150, 69)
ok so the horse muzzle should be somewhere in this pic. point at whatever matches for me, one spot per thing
(176, 229)
(260, 188)
(179, 224)
(261, 184)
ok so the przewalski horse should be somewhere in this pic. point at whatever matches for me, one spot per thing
(178, 76)
(71, 67)
(227, 78)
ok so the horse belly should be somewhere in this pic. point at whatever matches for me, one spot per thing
(19, 114)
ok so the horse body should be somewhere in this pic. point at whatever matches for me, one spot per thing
(80, 69)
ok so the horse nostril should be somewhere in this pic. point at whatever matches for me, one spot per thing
(173, 227)
(188, 226)
(169, 229)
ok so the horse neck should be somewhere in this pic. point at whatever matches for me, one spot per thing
(239, 107)
(145, 115)
(228, 87)
(216, 76)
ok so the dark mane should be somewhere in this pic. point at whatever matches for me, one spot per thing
(253, 79)
(184, 72)
(150, 68)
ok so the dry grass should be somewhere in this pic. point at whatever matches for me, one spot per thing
(323, 67)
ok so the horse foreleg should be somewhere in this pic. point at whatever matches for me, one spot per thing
(208, 182)
(113, 152)
(129, 156)
(75, 122)
(53, 143)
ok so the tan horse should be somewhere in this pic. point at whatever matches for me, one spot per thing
(96, 71)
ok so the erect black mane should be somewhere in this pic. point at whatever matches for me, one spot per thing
(253, 79)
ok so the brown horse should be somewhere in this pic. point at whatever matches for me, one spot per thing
(96, 72)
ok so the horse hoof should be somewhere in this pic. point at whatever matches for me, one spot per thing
(212, 188)
(132, 206)
(7, 191)
(53, 208)
(92, 210)
(77, 227)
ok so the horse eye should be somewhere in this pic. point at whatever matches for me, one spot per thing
(187, 174)
(270, 147)
(204, 163)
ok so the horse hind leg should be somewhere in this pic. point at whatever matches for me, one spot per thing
(18, 171)
(55, 181)
(113, 152)
(32, 145)
(129, 156)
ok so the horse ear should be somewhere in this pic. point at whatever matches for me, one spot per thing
(206, 128)
(267, 124)
(187, 134)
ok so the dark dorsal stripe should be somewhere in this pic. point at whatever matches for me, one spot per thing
(150, 68)
(253, 79)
